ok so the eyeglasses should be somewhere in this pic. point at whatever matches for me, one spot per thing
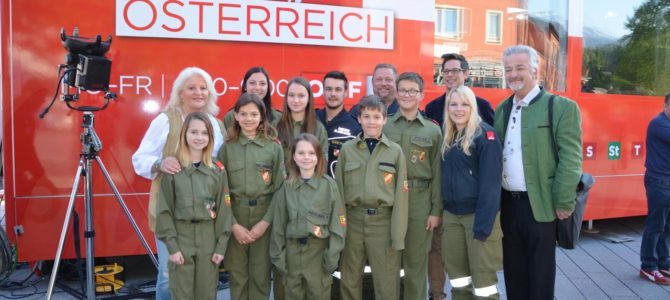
(452, 71)
(410, 93)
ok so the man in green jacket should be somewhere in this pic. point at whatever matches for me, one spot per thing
(537, 186)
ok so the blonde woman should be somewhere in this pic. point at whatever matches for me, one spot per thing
(471, 183)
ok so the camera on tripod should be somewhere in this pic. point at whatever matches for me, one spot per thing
(86, 66)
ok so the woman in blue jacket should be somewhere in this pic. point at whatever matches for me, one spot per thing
(471, 183)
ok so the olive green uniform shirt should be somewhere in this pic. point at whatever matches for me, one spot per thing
(374, 180)
(194, 194)
(256, 168)
(420, 140)
(313, 208)
(321, 135)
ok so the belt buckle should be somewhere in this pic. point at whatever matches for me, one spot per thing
(372, 211)
(302, 241)
(253, 202)
(195, 221)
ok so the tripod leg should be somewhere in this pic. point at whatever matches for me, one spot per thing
(63, 233)
(89, 232)
(127, 211)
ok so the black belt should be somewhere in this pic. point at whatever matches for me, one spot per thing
(516, 195)
(370, 210)
(302, 241)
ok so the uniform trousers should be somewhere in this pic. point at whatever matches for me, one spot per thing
(249, 265)
(306, 278)
(471, 264)
(436, 268)
(417, 244)
(369, 239)
(529, 250)
(198, 277)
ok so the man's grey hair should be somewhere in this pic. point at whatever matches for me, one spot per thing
(523, 49)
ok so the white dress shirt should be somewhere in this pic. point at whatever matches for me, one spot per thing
(151, 147)
(513, 175)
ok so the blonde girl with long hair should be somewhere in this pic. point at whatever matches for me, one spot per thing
(471, 185)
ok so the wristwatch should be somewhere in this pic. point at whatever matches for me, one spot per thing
(156, 168)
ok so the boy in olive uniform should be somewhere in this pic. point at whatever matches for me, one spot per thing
(420, 140)
(371, 175)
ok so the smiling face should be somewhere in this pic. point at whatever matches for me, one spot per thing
(454, 76)
(334, 92)
(249, 117)
(372, 121)
(297, 98)
(383, 84)
(520, 77)
(305, 156)
(257, 84)
(197, 136)
(194, 94)
(459, 110)
(406, 101)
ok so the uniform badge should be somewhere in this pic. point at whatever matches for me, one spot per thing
(388, 178)
(210, 208)
(490, 135)
(220, 165)
(422, 155)
(362, 145)
(317, 230)
(343, 221)
(336, 152)
(265, 174)
(227, 200)
(414, 157)
(405, 186)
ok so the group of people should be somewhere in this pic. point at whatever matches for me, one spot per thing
(302, 193)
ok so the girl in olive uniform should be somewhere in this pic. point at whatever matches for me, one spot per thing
(193, 216)
(309, 224)
(299, 116)
(255, 162)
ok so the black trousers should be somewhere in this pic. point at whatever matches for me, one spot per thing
(529, 250)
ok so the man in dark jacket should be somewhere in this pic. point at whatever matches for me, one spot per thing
(654, 251)
(340, 125)
(455, 72)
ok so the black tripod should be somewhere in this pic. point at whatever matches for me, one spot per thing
(91, 146)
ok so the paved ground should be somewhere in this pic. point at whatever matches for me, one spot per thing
(604, 266)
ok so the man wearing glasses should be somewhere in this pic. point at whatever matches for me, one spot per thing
(455, 72)
(420, 140)
(383, 85)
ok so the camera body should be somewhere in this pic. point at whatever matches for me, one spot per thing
(87, 68)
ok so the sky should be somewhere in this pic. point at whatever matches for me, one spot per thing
(611, 19)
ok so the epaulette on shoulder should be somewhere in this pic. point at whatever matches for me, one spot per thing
(434, 122)
(220, 166)
(277, 141)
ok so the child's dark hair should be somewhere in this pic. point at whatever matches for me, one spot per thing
(294, 170)
(309, 122)
(372, 102)
(184, 152)
(264, 129)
